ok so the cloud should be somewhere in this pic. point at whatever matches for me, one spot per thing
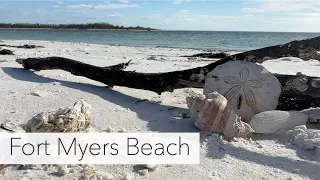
(188, 20)
(180, 1)
(58, 3)
(124, 1)
(280, 6)
(114, 15)
(307, 14)
(248, 15)
(103, 6)
(144, 17)
(183, 11)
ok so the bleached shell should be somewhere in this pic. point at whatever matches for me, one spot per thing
(195, 103)
(249, 88)
(313, 113)
(72, 119)
(274, 121)
(11, 126)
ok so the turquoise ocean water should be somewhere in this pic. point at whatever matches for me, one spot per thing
(213, 40)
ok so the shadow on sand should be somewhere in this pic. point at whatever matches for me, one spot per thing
(146, 110)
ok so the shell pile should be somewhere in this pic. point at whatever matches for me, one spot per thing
(75, 119)
(243, 89)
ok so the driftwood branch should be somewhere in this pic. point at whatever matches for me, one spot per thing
(6, 52)
(210, 55)
(168, 81)
(25, 46)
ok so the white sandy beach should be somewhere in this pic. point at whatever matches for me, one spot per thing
(263, 157)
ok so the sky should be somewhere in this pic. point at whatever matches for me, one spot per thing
(204, 15)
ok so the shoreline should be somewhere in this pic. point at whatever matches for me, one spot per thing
(232, 51)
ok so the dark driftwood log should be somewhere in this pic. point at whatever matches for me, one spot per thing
(210, 55)
(6, 52)
(161, 82)
(25, 46)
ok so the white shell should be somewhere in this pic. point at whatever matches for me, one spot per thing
(313, 113)
(249, 88)
(72, 119)
(274, 121)
(308, 139)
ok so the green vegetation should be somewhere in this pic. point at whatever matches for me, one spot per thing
(72, 26)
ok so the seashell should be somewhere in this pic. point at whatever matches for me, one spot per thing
(11, 126)
(274, 121)
(248, 87)
(195, 103)
(313, 113)
(72, 119)
(215, 115)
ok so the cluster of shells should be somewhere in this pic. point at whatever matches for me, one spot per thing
(70, 119)
(239, 98)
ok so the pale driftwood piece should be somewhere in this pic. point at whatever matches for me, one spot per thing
(168, 81)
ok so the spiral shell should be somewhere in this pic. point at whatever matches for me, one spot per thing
(213, 114)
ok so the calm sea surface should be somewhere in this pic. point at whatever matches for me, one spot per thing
(185, 39)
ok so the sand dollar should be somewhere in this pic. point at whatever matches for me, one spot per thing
(249, 87)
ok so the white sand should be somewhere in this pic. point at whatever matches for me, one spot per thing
(24, 94)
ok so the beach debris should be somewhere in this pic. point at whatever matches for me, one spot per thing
(298, 83)
(37, 93)
(75, 119)
(107, 176)
(89, 170)
(62, 169)
(156, 58)
(214, 114)
(3, 61)
(11, 126)
(151, 167)
(143, 172)
(276, 121)
(122, 130)
(308, 139)
(209, 55)
(25, 46)
(127, 176)
(249, 87)
(181, 114)
(56, 83)
(6, 52)
(109, 129)
(313, 114)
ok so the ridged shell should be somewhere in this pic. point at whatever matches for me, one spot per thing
(249, 88)
(213, 114)
(274, 121)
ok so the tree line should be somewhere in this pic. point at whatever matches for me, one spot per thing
(72, 26)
